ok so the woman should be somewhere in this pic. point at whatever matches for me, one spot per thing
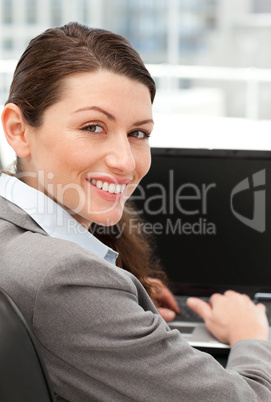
(79, 116)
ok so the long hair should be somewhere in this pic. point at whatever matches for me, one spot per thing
(37, 84)
(136, 249)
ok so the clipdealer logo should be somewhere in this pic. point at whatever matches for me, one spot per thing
(190, 200)
(258, 221)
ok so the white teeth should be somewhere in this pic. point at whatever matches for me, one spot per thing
(110, 187)
(105, 186)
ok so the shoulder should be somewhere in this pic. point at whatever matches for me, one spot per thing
(42, 257)
(35, 265)
(72, 265)
(21, 239)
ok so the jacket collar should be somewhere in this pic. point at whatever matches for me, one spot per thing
(12, 213)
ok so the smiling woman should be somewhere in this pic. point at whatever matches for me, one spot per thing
(116, 124)
(59, 74)
(78, 116)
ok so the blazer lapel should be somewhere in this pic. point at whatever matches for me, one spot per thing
(12, 213)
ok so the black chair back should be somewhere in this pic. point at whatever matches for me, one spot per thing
(23, 375)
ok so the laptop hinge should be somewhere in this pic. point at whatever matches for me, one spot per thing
(262, 296)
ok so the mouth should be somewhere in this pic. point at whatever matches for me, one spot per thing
(111, 188)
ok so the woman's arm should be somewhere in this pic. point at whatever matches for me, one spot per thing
(102, 339)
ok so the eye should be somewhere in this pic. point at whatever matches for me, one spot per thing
(93, 128)
(140, 134)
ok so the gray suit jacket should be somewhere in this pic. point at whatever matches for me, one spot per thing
(100, 334)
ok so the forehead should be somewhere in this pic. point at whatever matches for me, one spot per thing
(125, 98)
(103, 83)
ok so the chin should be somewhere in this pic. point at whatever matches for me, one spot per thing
(107, 221)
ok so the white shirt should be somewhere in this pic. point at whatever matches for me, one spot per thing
(51, 217)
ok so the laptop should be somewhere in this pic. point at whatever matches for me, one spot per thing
(209, 212)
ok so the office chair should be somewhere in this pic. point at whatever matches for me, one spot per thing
(23, 375)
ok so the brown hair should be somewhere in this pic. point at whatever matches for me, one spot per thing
(135, 247)
(36, 85)
(59, 52)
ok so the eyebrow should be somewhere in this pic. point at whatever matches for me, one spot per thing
(110, 116)
(98, 109)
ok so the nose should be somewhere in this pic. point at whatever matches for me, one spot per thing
(120, 156)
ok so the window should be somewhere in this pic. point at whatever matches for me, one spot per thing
(262, 6)
(56, 12)
(7, 16)
(7, 44)
(31, 11)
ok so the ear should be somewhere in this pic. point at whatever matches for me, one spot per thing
(16, 130)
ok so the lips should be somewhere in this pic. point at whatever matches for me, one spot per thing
(112, 188)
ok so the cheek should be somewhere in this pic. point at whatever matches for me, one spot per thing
(67, 160)
(144, 163)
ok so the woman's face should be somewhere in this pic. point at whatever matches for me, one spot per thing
(92, 148)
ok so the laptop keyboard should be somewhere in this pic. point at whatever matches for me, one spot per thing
(187, 314)
(190, 316)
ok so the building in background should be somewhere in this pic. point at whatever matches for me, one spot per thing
(161, 30)
(262, 6)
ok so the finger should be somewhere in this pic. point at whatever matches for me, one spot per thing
(230, 292)
(261, 306)
(246, 297)
(200, 307)
(168, 299)
(214, 298)
(167, 314)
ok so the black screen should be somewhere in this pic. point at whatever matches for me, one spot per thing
(210, 214)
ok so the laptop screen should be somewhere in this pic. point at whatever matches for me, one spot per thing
(210, 215)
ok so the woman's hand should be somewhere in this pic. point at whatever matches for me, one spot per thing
(232, 317)
(167, 305)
